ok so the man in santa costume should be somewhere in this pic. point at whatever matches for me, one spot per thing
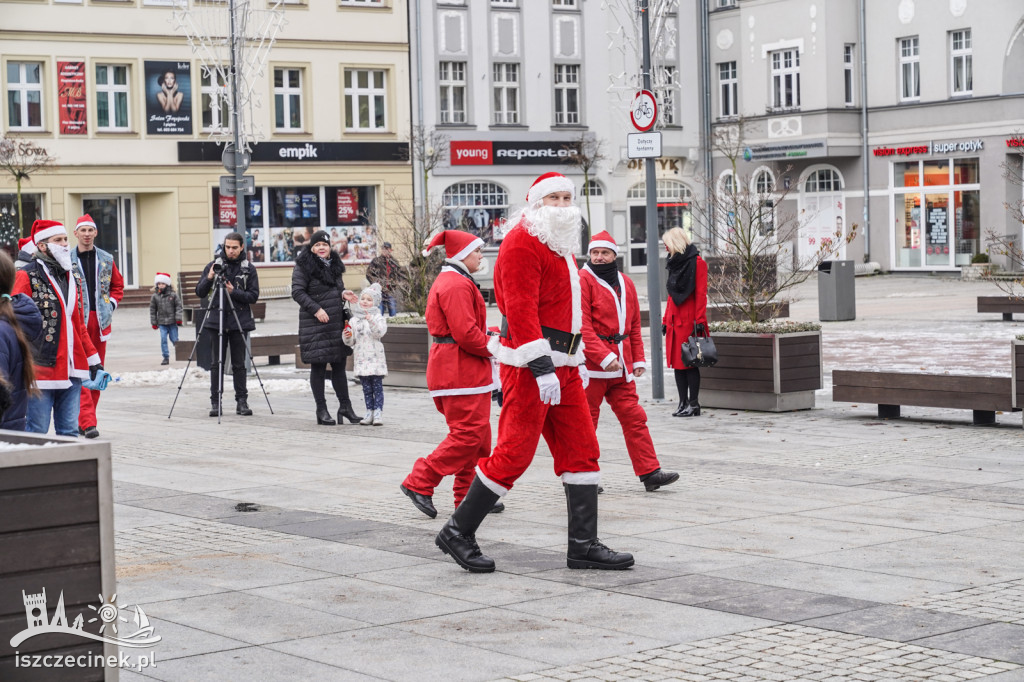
(25, 250)
(459, 374)
(615, 355)
(64, 355)
(537, 287)
(103, 289)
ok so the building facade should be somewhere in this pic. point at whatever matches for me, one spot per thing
(112, 89)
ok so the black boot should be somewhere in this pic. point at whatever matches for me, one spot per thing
(425, 503)
(458, 536)
(242, 407)
(679, 410)
(323, 416)
(214, 412)
(345, 411)
(658, 478)
(585, 550)
(692, 409)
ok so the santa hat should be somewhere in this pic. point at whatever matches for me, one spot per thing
(44, 229)
(548, 183)
(85, 220)
(603, 240)
(162, 278)
(26, 245)
(457, 244)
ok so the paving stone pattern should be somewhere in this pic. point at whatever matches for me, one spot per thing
(1000, 601)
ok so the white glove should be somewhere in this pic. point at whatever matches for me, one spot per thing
(584, 375)
(550, 389)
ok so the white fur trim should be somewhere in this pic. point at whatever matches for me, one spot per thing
(581, 477)
(105, 336)
(641, 363)
(85, 223)
(491, 485)
(54, 384)
(82, 374)
(162, 279)
(602, 244)
(577, 297)
(620, 310)
(476, 390)
(52, 231)
(546, 187)
(607, 360)
(606, 375)
(521, 356)
(93, 359)
(473, 246)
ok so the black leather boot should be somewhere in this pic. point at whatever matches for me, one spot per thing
(214, 412)
(585, 549)
(658, 478)
(323, 416)
(425, 503)
(242, 407)
(458, 536)
(679, 410)
(345, 411)
(692, 409)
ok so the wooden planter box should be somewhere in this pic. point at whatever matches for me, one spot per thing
(57, 535)
(1017, 373)
(407, 347)
(766, 372)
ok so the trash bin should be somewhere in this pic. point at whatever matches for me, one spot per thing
(836, 296)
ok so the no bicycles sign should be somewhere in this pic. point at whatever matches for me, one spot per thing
(644, 111)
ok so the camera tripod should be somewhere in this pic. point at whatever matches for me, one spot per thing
(219, 293)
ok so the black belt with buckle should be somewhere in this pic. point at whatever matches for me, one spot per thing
(443, 339)
(558, 340)
(614, 338)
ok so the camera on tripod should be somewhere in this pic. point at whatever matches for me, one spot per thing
(218, 265)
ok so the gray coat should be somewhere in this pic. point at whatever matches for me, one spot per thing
(165, 308)
(315, 286)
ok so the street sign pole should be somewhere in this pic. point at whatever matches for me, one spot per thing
(653, 238)
(236, 126)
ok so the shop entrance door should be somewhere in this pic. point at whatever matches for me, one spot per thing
(114, 215)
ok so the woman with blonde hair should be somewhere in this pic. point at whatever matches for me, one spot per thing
(686, 311)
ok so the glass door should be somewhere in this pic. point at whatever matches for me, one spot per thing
(936, 229)
(114, 215)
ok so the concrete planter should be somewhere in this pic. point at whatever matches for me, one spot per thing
(976, 271)
(57, 535)
(766, 372)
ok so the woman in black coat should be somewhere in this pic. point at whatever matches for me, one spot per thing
(318, 288)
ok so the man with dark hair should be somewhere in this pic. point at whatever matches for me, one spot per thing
(242, 287)
(385, 271)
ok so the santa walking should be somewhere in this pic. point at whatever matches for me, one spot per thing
(615, 355)
(537, 287)
(459, 374)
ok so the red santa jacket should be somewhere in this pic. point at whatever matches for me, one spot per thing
(534, 288)
(62, 319)
(606, 313)
(455, 309)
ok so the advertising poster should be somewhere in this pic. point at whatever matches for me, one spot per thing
(356, 244)
(227, 210)
(71, 98)
(310, 206)
(168, 98)
(348, 206)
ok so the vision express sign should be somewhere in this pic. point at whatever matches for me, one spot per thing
(497, 153)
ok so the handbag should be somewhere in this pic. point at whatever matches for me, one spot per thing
(699, 350)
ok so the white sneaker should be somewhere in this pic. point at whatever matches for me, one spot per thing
(378, 418)
(368, 419)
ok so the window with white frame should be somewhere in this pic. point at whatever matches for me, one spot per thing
(823, 180)
(910, 69)
(667, 95)
(288, 99)
(479, 208)
(25, 95)
(365, 97)
(764, 186)
(567, 94)
(728, 88)
(111, 97)
(504, 3)
(452, 84)
(505, 81)
(764, 183)
(564, 4)
(848, 74)
(725, 3)
(362, 3)
(961, 66)
(213, 100)
(786, 79)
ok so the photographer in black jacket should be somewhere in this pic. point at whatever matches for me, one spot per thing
(242, 285)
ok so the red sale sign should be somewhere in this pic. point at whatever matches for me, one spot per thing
(228, 213)
(348, 206)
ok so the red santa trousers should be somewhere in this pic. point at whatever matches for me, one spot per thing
(90, 399)
(469, 439)
(566, 427)
(622, 397)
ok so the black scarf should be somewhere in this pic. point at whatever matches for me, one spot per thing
(609, 272)
(329, 270)
(682, 274)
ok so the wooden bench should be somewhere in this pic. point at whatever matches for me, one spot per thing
(192, 304)
(1007, 305)
(889, 390)
(272, 346)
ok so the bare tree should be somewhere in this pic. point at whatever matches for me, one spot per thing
(22, 159)
(1009, 245)
(428, 148)
(585, 154)
(409, 234)
(755, 231)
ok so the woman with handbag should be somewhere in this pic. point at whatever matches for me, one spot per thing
(318, 288)
(685, 314)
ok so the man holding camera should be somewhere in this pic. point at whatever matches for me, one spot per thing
(241, 285)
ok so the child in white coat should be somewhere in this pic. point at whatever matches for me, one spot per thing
(363, 334)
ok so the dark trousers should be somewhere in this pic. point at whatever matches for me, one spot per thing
(236, 339)
(317, 375)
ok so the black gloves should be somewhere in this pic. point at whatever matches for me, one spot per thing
(701, 329)
(94, 370)
(664, 330)
(497, 397)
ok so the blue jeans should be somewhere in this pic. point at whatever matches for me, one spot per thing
(62, 402)
(166, 330)
(388, 305)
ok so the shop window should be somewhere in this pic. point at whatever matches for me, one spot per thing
(14, 223)
(480, 208)
(965, 172)
(365, 97)
(25, 95)
(936, 172)
(673, 210)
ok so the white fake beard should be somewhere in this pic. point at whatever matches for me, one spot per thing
(556, 226)
(61, 254)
